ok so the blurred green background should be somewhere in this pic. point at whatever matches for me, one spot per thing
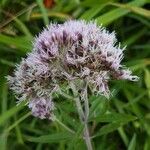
(121, 123)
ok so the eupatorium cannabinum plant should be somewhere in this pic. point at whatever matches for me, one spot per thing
(78, 54)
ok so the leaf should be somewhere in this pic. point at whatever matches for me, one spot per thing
(89, 14)
(8, 63)
(135, 100)
(21, 43)
(135, 9)
(59, 15)
(51, 138)
(93, 3)
(123, 136)
(132, 144)
(76, 138)
(43, 11)
(99, 106)
(147, 80)
(112, 15)
(140, 64)
(133, 38)
(11, 112)
(69, 120)
(117, 120)
(3, 141)
(109, 128)
(23, 28)
(147, 144)
(18, 121)
(114, 117)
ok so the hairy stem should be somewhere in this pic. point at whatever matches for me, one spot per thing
(86, 103)
(86, 114)
(87, 137)
(79, 109)
(83, 115)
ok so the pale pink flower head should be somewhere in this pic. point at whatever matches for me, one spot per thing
(83, 50)
(42, 107)
(74, 51)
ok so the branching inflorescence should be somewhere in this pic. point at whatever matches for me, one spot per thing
(73, 51)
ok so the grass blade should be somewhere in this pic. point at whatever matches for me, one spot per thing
(132, 144)
(43, 11)
(112, 15)
(10, 113)
(21, 43)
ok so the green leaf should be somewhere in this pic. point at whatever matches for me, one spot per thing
(76, 138)
(123, 136)
(89, 14)
(133, 38)
(18, 121)
(51, 138)
(23, 28)
(98, 107)
(93, 3)
(43, 11)
(114, 117)
(108, 128)
(69, 119)
(147, 144)
(117, 120)
(21, 43)
(147, 80)
(114, 14)
(11, 112)
(3, 140)
(140, 64)
(135, 9)
(132, 144)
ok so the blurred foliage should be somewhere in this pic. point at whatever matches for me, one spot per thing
(119, 124)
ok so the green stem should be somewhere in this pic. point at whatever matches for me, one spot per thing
(79, 109)
(86, 103)
(83, 115)
(87, 137)
(86, 130)
(78, 104)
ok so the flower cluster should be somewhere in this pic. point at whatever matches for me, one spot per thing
(75, 50)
